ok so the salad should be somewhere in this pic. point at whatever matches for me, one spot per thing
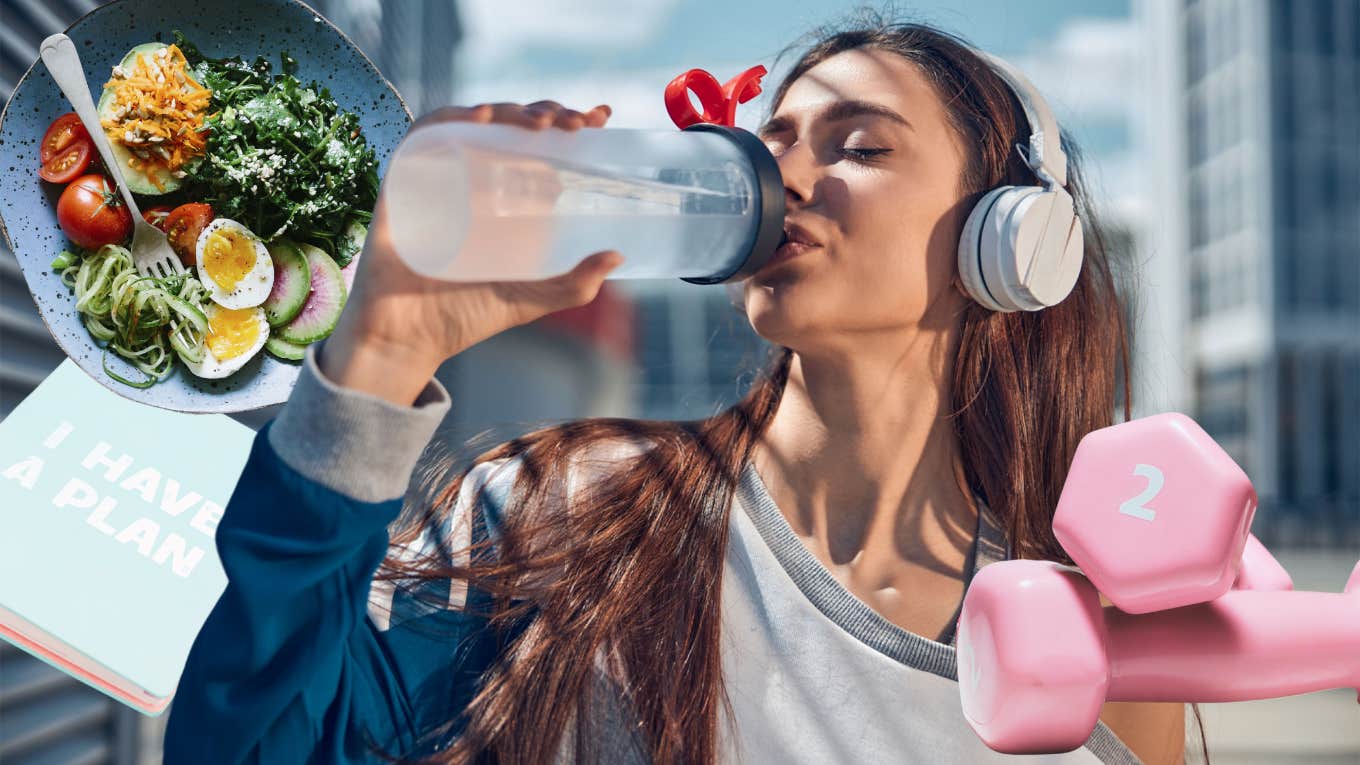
(262, 184)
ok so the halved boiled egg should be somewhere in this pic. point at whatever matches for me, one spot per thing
(234, 336)
(233, 264)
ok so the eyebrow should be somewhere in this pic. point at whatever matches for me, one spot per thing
(841, 110)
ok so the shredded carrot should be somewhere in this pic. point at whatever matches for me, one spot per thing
(158, 98)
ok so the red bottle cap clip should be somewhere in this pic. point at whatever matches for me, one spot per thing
(720, 103)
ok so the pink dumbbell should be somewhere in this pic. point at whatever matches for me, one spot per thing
(1038, 654)
(1157, 516)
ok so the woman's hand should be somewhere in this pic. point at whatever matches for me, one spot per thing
(399, 326)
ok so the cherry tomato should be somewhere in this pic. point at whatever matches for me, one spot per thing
(60, 134)
(92, 214)
(184, 225)
(68, 163)
(157, 216)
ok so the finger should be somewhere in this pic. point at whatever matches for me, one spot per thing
(515, 114)
(580, 285)
(570, 119)
(478, 113)
(598, 116)
(540, 117)
(577, 287)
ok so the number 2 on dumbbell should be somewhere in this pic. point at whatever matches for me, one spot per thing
(1147, 539)
(1137, 507)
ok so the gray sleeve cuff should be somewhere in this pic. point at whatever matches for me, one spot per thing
(353, 442)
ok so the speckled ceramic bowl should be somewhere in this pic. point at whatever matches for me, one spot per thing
(28, 206)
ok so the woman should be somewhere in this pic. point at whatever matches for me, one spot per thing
(777, 583)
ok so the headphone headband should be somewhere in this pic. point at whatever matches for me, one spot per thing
(1046, 157)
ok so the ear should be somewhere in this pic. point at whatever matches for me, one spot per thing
(957, 283)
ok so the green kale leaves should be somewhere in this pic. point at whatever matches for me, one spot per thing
(282, 158)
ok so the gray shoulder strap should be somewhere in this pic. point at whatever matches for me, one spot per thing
(989, 546)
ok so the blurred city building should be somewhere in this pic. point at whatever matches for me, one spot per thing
(1267, 173)
(1250, 122)
(414, 43)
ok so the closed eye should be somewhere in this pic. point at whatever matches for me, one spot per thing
(864, 153)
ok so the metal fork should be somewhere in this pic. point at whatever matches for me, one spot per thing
(151, 252)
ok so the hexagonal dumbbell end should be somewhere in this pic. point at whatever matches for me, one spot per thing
(1155, 513)
(1031, 657)
(1037, 655)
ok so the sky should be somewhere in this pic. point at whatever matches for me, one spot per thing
(1079, 53)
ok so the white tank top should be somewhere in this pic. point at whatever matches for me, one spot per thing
(817, 677)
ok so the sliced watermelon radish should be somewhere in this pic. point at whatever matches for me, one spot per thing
(292, 283)
(321, 312)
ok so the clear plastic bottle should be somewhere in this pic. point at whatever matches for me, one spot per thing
(486, 202)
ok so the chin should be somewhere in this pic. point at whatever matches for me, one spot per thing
(780, 312)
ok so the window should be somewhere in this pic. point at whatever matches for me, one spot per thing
(1222, 400)
(1323, 14)
(1331, 424)
(1281, 23)
(1195, 128)
(1288, 427)
(1199, 210)
(1194, 46)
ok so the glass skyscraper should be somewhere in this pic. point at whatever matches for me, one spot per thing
(1270, 171)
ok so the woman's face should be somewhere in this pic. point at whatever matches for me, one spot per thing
(880, 195)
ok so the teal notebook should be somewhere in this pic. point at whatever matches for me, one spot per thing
(107, 513)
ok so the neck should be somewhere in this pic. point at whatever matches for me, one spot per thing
(861, 455)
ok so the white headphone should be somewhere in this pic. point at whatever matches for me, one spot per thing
(1021, 247)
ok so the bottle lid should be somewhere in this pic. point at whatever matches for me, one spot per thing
(719, 116)
(719, 102)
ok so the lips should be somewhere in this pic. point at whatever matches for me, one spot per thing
(796, 233)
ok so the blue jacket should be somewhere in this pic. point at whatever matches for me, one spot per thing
(287, 667)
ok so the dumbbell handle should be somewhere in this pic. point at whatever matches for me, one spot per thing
(1244, 645)
(1259, 570)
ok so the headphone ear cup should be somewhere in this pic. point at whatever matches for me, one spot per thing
(1050, 233)
(999, 235)
(971, 249)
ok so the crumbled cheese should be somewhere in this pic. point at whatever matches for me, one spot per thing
(335, 151)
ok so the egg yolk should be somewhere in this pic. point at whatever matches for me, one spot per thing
(228, 257)
(232, 332)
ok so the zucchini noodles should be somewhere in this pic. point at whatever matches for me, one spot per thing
(141, 318)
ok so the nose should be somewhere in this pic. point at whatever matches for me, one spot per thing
(795, 167)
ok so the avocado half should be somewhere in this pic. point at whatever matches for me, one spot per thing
(139, 181)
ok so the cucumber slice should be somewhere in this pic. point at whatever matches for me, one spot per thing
(283, 349)
(137, 180)
(292, 282)
(321, 312)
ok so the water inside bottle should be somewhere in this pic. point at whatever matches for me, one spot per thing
(467, 213)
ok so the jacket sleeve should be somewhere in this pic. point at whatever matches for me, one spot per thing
(296, 662)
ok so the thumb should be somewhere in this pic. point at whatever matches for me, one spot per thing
(582, 283)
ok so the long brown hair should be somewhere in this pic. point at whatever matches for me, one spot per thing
(630, 569)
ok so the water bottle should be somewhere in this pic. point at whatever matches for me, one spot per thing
(492, 202)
